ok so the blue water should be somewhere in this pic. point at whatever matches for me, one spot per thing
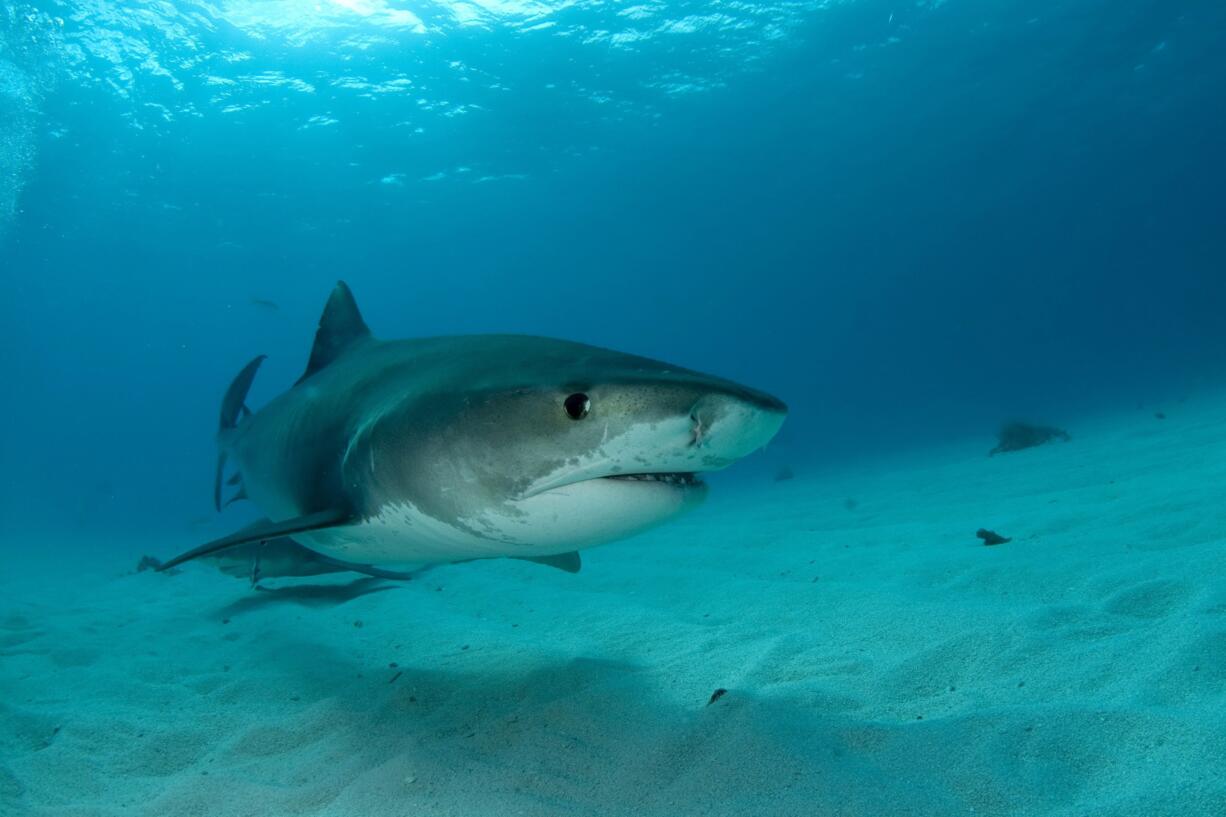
(913, 220)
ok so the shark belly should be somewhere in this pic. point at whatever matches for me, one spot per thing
(400, 533)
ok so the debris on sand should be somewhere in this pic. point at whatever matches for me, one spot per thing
(1017, 436)
(991, 537)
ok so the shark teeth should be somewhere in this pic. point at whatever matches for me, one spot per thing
(680, 478)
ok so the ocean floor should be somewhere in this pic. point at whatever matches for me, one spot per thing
(878, 659)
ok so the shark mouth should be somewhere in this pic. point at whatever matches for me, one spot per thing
(685, 478)
(677, 480)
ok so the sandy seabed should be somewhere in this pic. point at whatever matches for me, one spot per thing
(878, 659)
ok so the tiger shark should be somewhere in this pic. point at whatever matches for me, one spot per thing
(450, 449)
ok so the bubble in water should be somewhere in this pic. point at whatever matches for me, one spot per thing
(21, 39)
(16, 143)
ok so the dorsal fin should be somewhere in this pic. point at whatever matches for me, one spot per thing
(340, 327)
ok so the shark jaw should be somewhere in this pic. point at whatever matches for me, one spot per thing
(686, 479)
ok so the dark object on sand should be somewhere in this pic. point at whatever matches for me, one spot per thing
(716, 695)
(784, 474)
(991, 537)
(1016, 436)
(148, 563)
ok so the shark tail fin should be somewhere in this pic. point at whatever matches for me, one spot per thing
(233, 409)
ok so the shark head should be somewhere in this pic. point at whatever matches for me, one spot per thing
(541, 446)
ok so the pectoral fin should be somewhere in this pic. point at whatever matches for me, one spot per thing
(263, 531)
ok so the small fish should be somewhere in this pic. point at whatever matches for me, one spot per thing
(264, 303)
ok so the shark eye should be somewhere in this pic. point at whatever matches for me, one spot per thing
(577, 405)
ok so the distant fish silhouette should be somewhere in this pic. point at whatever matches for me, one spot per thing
(148, 563)
(264, 303)
(1017, 436)
(991, 537)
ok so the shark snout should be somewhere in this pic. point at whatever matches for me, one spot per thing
(729, 426)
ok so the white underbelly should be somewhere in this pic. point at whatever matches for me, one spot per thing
(400, 534)
(572, 517)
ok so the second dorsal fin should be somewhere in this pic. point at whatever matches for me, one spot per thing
(340, 327)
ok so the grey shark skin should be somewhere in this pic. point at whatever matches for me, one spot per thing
(456, 448)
